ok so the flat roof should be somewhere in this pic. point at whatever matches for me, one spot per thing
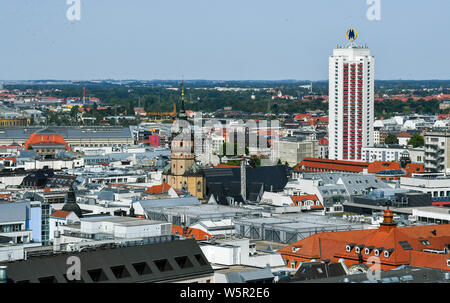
(434, 209)
(127, 221)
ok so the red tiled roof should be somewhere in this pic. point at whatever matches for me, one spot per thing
(404, 135)
(46, 139)
(332, 246)
(334, 165)
(298, 200)
(444, 117)
(157, 189)
(355, 167)
(303, 116)
(9, 158)
(224, 166)
(443, 96)
(60, 214)
(198, 234)
(323, 141)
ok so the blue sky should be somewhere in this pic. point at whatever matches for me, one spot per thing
(223, 40)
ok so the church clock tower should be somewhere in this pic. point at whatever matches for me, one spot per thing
(184, 173)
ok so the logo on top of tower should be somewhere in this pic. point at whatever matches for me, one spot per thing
(352, 34)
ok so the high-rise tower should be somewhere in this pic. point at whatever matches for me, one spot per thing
(351, 100)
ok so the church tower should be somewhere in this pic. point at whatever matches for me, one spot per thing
(183, 173)
(182, 146)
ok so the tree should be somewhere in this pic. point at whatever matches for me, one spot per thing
(417, 141)
(391, 139)
(74, 111)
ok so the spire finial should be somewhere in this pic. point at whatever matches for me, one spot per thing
(182, 86)
(182, 114)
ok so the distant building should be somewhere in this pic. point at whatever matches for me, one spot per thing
(14, 221)
(398, 198)
(73, 136)
(437, 186)
(437, 151)
(351, 102)
(46, 145)
(392, 153)
(326, 165)
(403, 138)
(323, 148)
(294, 152)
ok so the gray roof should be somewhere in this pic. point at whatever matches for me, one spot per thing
(404, 274)
(171, 202)
(66, 132)
(159, 262)
(249, 276)
(353, 184)
(14, 211)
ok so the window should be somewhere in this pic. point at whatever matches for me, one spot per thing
(120, 272)
(97, 275)
(163, 265)
(142, 268)
(183, 262)
(201, 260)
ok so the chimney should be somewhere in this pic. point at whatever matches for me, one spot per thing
(243, 180)
(57, 242)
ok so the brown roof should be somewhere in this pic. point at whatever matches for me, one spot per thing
(404, 243)
(60, 214)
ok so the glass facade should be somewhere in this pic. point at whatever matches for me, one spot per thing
(45, 219)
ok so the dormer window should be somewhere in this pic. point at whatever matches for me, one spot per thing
(425, 242)
(368, 250)
(378, 251)
(388, 253)
(358, 249)
(349, 247)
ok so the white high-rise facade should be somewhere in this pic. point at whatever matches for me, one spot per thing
(351, 102)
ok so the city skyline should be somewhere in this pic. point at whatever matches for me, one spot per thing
(203, 40)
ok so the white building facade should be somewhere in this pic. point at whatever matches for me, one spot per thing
(351, 102)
